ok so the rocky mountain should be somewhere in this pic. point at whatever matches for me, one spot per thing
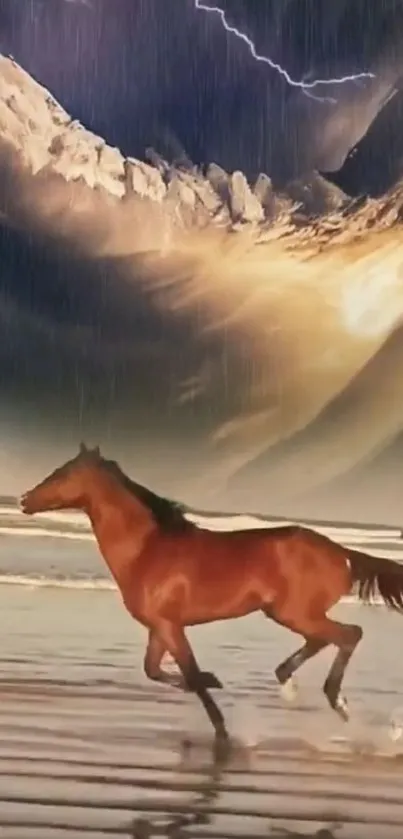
(41, 142)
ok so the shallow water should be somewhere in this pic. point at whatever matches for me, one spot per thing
(88, 746)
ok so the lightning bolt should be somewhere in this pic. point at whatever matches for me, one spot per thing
(305, 87)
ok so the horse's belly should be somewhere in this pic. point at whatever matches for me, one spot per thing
(221, 611)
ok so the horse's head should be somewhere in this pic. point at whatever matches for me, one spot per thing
(65, 487)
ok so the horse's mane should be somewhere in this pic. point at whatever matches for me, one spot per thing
(169, 515)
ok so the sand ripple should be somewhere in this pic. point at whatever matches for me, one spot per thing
(89, 747)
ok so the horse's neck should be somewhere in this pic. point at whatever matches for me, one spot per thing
(121, 525)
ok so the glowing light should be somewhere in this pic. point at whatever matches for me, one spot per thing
(305, 87)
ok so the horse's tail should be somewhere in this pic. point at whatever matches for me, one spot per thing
(377, 576)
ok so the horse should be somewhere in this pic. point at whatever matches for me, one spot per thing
(173, 574)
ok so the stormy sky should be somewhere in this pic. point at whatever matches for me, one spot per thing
(143, 72)
(82, 352)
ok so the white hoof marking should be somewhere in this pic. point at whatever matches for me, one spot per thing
(289, 690)
(395, 732)
(342, 705)
(396, 725)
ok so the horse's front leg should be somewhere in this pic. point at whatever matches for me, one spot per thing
(153, 670)
(152, 663)
(171, 637)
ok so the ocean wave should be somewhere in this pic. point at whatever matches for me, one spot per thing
(227, 521)
(10, 530)
(36, 581)
(101, 584)
(69, 517)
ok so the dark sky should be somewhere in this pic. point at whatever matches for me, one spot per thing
(160, 73)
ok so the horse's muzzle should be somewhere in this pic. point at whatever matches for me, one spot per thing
(24, 505)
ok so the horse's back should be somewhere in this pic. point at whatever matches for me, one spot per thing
(211, 546)
(251, 535)
(207, 559)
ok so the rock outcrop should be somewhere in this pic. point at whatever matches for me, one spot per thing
(44, 140)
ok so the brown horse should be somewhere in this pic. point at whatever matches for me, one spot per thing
(173, 574)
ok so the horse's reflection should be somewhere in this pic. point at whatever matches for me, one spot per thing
(322, 833)
(199, 811)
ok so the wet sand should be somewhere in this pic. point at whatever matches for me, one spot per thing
(89, 747)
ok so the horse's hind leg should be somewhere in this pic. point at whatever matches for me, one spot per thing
(285, 671)
(320, 631)
(349, 637)
(345, 637)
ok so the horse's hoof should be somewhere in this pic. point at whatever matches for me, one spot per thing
(396, 725)
(395, 732)
(209, 680)
(341, 708)
(289, 690)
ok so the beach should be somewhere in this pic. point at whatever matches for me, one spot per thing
(90, 747)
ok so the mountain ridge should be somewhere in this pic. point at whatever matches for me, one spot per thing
(46, 141)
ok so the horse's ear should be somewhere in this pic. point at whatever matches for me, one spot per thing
(96, 451)
(83, 448)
